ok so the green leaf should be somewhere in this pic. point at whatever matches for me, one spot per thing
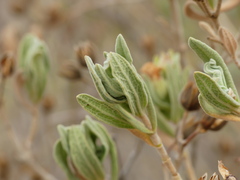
(150, 110)
(107, 142)
(83, 156)
(110, 84)
(130, 82)
(103, 111)
(211, 92)
(173, 71)
(114, 115)
(63, 132)
(206, 53)
(122, 48)
(60, 157)
(99, 84)
(212, 111)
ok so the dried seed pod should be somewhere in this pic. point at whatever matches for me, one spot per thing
(189, 97)
(223, 170)
(70, 71)
(214, 177)
(229, 42)
(218, 124)
(84, 49)
(48, 103)
(207, 121)
(204, 177)
(148, 45)
(54, 13)
(7, 64)
(208, 28)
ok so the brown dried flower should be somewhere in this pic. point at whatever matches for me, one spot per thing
(70, 71)
(7, 64)
(84, 49)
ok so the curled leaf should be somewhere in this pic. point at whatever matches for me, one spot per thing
(206, 53)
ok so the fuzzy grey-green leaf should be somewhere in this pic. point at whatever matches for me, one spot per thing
(103, 111)
(60, 157)
(108, 143)
(110, 84)
(130, 82)
(83, 156)
(99, 84)
(122, 48)
(210, 91)
(206, 53)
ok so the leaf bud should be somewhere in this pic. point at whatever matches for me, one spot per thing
(33, 58)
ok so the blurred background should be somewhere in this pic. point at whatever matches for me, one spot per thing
(149, 28)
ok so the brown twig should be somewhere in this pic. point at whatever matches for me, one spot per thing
(157, 142)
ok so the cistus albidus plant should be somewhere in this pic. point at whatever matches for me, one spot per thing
(126, 101)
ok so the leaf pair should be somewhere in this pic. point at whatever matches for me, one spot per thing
(218, 95)
(79, 150)
(124, 93)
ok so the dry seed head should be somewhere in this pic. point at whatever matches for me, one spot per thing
(70, 71)
(7, 64)
(204, 177)
(189, 97)
(214, 177)
(48, 103)
(84, 49)
(223, 170)
(208, 28)
(218, 124)
(229, 42)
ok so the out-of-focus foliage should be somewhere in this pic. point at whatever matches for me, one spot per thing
(34, 63)
(165, 79)
(81, 150)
